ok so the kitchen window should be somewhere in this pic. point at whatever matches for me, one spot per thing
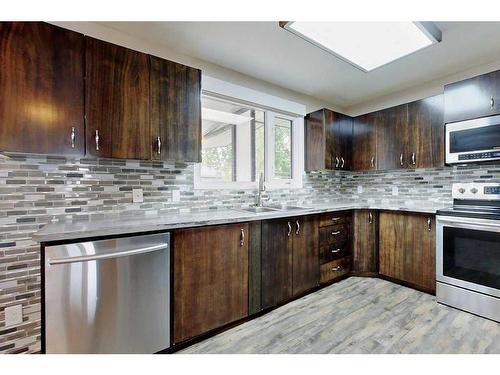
(240, 141)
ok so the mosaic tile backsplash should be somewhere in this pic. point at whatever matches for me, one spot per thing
(34, 190)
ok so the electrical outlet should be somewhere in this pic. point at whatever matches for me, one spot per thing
(360, 189)
(137, 196)
(395, 190)
(13, 315)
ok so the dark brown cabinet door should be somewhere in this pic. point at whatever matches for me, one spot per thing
(419, 252)
(305, 273)
(41, 89)
(425, 144)
(391, 130)
(277, 261)
(391, 244)
(364, 155)
(472, 98)
(315, 143)
(210, 278)
(117, 101)
(365, 247)
(407, 248)
(328, 141)
(175, 111)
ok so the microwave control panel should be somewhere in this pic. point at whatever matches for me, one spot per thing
(480, 155)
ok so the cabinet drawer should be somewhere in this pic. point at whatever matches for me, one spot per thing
(334, 235)
(334, 218)
(332, 252)
(334, 269)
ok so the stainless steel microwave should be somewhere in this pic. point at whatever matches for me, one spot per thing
(473, 141)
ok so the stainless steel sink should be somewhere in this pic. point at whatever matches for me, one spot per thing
(289, 208)
(258, 210)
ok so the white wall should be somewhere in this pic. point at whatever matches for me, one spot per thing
(114, 36)
(422, 91)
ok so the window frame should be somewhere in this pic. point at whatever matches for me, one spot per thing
(271, 182)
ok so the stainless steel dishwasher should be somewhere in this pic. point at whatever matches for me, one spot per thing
(109, 296)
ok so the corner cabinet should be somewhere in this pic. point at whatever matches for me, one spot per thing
(407, 248)
(116, 101)
(41, 89)
(175, 111)
(328, 141)
(210, 278)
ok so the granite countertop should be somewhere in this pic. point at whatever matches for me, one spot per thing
(72, 230)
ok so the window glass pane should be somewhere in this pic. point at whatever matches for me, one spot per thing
(232, 148)
(282, 148)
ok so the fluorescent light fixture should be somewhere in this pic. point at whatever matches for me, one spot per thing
(367, 45)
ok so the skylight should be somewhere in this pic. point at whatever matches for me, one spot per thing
(367, 45)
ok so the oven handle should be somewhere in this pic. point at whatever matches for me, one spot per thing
(466, 224)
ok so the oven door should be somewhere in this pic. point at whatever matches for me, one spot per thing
(468, 253)
(479, 137)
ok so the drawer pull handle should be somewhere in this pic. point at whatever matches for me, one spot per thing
(335, 250)
(335, 218)
(492, 103)
(338, 268)
(335, 233)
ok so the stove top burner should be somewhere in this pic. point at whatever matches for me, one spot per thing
(481, 212)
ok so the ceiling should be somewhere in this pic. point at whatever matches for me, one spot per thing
(265, 51)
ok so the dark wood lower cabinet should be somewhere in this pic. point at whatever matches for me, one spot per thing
(305, 270)
(407, 248)
(365, 242)
(210, 279)
(277, 261)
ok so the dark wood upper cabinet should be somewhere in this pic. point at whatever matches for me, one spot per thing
(472, 98)
(407, 248)
(364, 151)
(391, 137)
(210, 278)
(175, 111)
(328, 140)
(277, 261)
(365, 243)
(117, 101)
(41, 89)
(315, 142)
(425, 144)
(305, 272)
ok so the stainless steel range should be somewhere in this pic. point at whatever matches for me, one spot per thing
(468, 250)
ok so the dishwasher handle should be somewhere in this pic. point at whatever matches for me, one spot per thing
(116, 254)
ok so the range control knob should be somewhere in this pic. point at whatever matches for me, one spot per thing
(473, 190)
(461, 190)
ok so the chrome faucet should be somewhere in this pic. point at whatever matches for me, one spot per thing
(262, 189)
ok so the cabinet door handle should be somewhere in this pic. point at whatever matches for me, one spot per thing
(97, 140)
(338, 268)
(372, 161)
(242, 237)
(429, 224)
(370, 218)
(413, 158)
(335, 250)
(73, 137)
(335, 233)
(298, 227)
(492, 102)
(158, 142)
(343, 162)
(337, 161)
(401, 159)
(289, 229)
